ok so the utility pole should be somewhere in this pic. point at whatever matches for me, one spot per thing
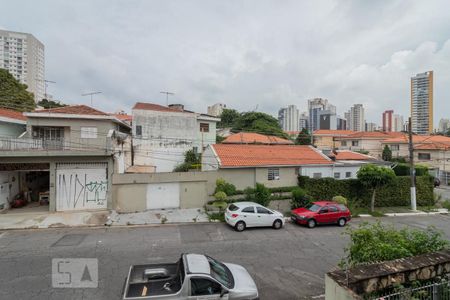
(412, 170)
(167, 96)
(90, 94)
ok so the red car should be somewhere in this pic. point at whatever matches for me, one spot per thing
(322, 212)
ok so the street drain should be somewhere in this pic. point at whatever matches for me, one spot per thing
(70, 240)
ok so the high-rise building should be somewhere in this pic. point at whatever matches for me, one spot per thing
(303, 122)
(371, 126)
(341, 123)
(444, 125)
(398, 123)
(288, 118)
(422, 103)
(326, 120)
(23, 56)
(347, 120)
(315, 106)
(387, 120)
(216, 109)
(356, 118)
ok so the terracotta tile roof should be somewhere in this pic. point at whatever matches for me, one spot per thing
(255, 138)
(291, 132)
(73, 110)
(350, 155)
(156, 107)
(373, 135)
(333, 132)
(123, 117)
(12, 114)
(239, 155)
(423, 142)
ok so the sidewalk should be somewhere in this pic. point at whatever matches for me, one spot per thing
(36, 220)
(167, 216)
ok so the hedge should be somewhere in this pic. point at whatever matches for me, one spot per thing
(396, 193)
(403, 169)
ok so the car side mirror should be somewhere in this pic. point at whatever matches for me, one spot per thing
(223, 292)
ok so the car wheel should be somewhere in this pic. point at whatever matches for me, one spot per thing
(240, 226)
(342, 222)
(277, 224)
(311, 223)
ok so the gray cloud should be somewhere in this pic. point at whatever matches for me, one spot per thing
(244, 53)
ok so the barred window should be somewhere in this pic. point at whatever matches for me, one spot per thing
(273, 174)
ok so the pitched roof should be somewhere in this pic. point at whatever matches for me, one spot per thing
(123, 117)
(155, 107)
(350, 155)
(12, 114)
(373, 135)
(333, 132)
(255, 138)
(73, 110)
(240, 155)
(423, 142)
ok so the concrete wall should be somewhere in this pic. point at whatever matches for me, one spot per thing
(334, 291)
(11, 130)
(288, 177)
(439, 159)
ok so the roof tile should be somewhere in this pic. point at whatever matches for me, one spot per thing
(73, 110)
(255, 138)
(12, 114)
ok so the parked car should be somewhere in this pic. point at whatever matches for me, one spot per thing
(322, 212)
(241, 215)
(437, 182)
(193, 276)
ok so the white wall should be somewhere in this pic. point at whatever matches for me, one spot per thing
(9, 187)
(209, 161)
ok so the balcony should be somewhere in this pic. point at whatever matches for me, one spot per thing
(28, 146)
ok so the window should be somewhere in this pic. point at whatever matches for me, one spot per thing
(343, 143)
(424, 156)
(138, 130)
(204, 286)
(88, 132)
(317, 175)
(342, 207)
(348, 174)
(395, 147)
(324, 210)
(249, 209)
(232, 207)
(337, 175)
(262, 210)
(333, 208)
(355, 143)
(273, 174)
(204, 127)
(195, 149)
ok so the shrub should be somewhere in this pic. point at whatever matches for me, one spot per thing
(404, 169)
(249, 194)
(377, 242)
(299, 198)
(183, 167)
(226, 187)
(446, 204)
(262, 194)
(340, 200)
(220, 196)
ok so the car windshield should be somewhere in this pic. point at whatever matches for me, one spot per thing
(313, 207)
(220, 272)
(232, 207)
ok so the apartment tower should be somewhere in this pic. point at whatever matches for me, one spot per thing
(422, 103)
(289, 118)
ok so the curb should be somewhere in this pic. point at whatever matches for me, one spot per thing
(409, 214)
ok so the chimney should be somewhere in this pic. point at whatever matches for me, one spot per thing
(178, 107)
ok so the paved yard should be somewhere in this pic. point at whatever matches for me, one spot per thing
(286, 264)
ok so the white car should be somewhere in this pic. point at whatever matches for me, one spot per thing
(241, 215)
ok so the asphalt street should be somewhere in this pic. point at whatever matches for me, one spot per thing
(286, 264)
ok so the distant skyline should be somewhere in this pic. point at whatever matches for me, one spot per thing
(241, 53)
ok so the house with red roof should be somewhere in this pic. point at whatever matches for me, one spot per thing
(429, 150)
(329, 139)
(65, 157)
(364, 141)
(162, 134)
(278, 165)
(255, 138)
(12, 123)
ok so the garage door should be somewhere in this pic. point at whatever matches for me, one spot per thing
(163, 195)
(81, 186)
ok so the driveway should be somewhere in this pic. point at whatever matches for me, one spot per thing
(286, 264)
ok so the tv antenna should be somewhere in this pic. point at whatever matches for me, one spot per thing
(167, 96)
(90, 94)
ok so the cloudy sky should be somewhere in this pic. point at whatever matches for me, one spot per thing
(243, 53)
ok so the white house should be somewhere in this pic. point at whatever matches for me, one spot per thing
(162, 134)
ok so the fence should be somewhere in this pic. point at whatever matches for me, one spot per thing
(27, 144)
(433, 291)
(444, 177)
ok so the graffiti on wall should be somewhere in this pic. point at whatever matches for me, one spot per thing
(81, 189)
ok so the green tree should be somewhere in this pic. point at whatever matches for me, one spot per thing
(447, 133)
(303, 138)
(300, 198)
(258, 122)
(373, 176)
(13, 94)
(373, 242)
(50, 104)
(387, 153)
(191, 157)
(228, 117)
(262, 194)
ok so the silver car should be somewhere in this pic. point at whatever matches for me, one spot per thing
(241, 215)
